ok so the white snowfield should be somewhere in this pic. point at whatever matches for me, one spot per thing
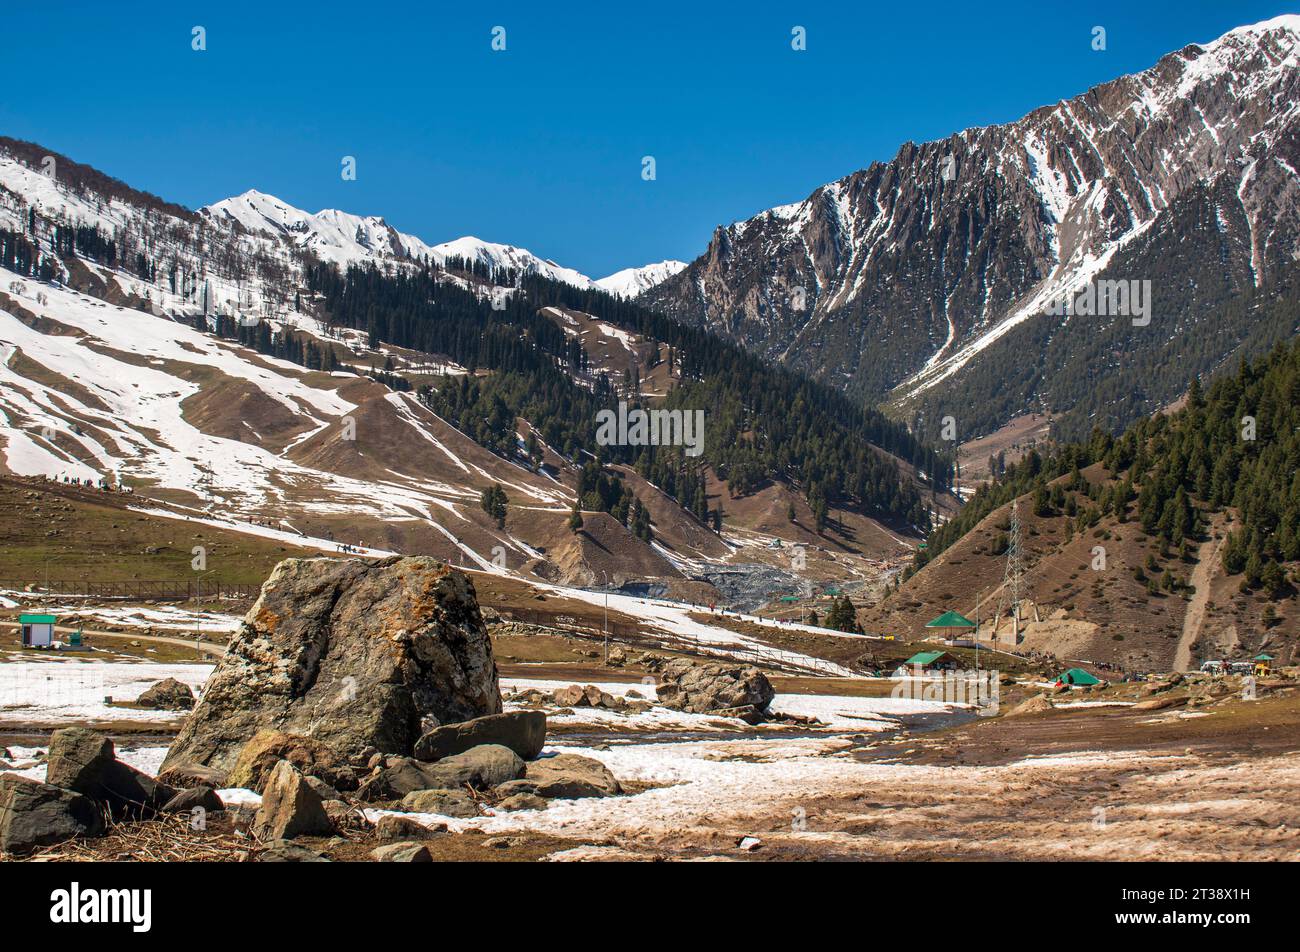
(672, 618)
(127, 414)
(72, 688)
(166, 617)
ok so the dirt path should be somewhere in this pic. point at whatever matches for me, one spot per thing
(1195, 616)
(203, 647)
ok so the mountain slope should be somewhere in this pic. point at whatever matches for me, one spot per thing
(1177, 542)
(892, 280)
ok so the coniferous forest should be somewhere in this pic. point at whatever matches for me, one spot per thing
(761, 422)
(1235, 443)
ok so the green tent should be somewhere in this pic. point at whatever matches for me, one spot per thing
(1263, 657)
(1079, 677)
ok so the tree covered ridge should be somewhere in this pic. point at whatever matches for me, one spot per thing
(761, 422)
(1233, 445)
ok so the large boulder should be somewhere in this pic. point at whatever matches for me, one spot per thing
(524, 732)
(267, 748)
(85, 762)
(710, 688)
(167, 695)
(34, 814)
(290, 807)
(354, 654)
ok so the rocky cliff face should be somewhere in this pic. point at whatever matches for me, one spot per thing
(352, 654)
(895, 277)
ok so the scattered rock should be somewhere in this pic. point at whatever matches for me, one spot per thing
(394, 826)
(749, 714)
(1159, 703)
(85, 762)
(709, 688)
(749, 843)
(167, 695)
(1034, 705)
(289, 807)
(564, 777)
(522, 801)
(350, 653)
(284, 851)
(183, 776)
(524, 732)
(402, 853)
(323, 790)
(456, 803)
(264, 751)
(34, 814)
(196, 797)
(485, 766)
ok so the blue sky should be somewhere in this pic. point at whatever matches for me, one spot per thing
(541, 145)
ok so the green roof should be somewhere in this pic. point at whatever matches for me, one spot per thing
(925, 657)
(1078, 676)
(37, 619)
(951, 620)
(1262, 657)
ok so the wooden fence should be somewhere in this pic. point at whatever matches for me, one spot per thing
(157, 589)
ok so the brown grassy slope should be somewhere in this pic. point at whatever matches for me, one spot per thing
(83, 533)
(1087, 613)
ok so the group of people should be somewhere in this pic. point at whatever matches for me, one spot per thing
(103, 484)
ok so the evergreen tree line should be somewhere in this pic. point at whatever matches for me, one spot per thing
(1234, 444)
(760, 423)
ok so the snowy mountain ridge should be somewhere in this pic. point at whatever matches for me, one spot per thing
(892, 280)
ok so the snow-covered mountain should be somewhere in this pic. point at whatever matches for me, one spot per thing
(930, 276)
(342, 238)
(633, 281)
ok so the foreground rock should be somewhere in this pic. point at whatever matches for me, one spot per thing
(481, 767)
(85, 762)
(290, 807)
(267, 748)
(524, 732)
(167, 695)
(402, 853)
(456, 803)
(34, 814)
(564, 777)
(196, 798)
(714, 688)
(353, 654)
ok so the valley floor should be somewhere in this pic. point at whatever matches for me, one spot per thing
(871, 776)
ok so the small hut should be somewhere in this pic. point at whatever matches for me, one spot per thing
(1263, 665)
(929, 661)
(37, 630)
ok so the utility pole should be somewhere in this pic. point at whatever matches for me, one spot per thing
(1011, 578)
(605, 575)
